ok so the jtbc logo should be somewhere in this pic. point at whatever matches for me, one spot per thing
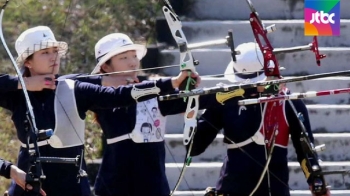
(316, 17)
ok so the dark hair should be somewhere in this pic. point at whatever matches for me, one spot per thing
(26, 72)
(108, 62)
(146, 124)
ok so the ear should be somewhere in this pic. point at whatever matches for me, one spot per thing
(27, 64)
(105, 67)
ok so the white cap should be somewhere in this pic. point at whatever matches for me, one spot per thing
(113, 44)
(250, 60)
(35, 39)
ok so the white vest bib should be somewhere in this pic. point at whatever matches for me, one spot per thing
(70, 128)
(150, 123)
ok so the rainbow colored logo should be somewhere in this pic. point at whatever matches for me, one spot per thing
(322, 18)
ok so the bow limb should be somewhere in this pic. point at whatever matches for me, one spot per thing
(271, 65)
(271, 68)
(189, 131)
(34, 175)
(187, 162)
(187, 63)
(310, 161)
(20, 77)
(260, 31)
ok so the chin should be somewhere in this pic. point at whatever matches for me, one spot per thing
(56, 70)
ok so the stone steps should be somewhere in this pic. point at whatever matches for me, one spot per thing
(292, 193)
(337, 148)
(289, 33)
(325, 114)
(198, 176)
(239, 10)
(215, 61)
(323, 119)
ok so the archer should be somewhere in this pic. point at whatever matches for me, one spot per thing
(61, 106)
(256, 136)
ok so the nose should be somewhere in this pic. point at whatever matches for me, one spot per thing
(133, 63)
(54, 56)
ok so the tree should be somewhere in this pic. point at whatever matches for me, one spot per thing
(80, 23)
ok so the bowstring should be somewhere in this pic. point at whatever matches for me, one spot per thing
(163, 67)
(171, 154)
(276, 88)
(82, 158)
(247, 154)
(267, 154)
(88, 154)
(85, 148)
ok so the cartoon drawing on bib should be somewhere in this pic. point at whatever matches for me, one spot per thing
(154, 112)
(146, 130)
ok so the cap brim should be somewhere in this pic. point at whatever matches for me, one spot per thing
(62, 50)
(141, 51)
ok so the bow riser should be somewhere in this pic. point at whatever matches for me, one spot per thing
(319, 184)
(186, 63)
(190, 122)
(259, 31)
(267, 50)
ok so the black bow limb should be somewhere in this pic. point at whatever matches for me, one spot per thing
(311, 161)
(34, 175)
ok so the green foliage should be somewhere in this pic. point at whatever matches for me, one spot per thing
(9, 144)
(80, 23)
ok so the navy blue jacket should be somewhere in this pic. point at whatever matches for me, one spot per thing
(241, 170)
(130, 168)
(61, 179)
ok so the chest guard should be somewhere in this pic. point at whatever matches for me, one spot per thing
(274, 119)
(69, 128)
(150, 123)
